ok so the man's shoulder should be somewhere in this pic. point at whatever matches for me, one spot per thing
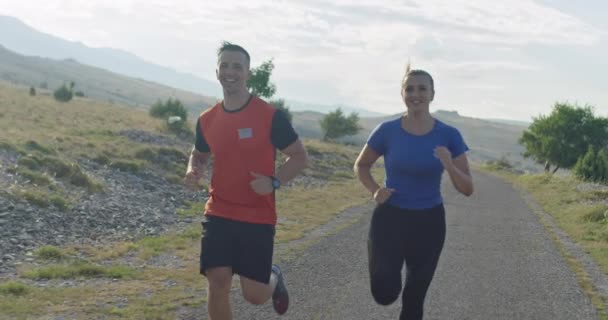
(210, 111)
(261, 103)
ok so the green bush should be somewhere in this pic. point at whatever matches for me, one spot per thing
(126, 166)
(13, 288)
(59, 168)
(49, 253)
(36, 198)
(171, 107)
(63, 94)
(35, 146)
(593, 166)
(101, 159)
(31, 162)
(35, 177)
(59, 202)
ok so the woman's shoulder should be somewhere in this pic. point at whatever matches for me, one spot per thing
(447, 130)
(445, 127)
(388, 124)
(396, 122)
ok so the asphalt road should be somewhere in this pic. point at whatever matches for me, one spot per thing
(498, 262)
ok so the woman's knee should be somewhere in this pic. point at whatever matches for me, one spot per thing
(385, 290)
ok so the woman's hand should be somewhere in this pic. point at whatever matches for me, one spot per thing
(444, 155)
(382, 194)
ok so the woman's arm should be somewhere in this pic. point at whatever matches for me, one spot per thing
(460, 174)
(363, 170)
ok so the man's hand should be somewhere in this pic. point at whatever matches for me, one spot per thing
(382, 194)
(261, 184)
(192, 178)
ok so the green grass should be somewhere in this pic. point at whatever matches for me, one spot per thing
(79, 269)
(49, 253)
(51, 138)
(13, 288)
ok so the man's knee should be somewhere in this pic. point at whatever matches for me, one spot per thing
(255, 292)
(219, 279)
(255, 298)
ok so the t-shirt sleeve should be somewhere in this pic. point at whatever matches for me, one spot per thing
(377, 139)
(282, 132)
(200, 144)
(457, 146)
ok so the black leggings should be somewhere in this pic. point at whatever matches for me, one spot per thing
(412, 236)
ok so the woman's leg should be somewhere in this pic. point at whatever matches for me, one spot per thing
(426, 235)
(385, 254)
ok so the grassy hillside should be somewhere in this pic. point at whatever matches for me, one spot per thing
(55, 158)
(96, 83)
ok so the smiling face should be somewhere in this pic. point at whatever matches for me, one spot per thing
(418, 92)
(233, 72)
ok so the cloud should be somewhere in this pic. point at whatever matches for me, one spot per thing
(352, 51)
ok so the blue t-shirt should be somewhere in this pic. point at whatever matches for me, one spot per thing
(411, 167)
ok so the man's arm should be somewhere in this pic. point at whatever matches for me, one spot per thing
(297, 160)
(197, 161)
(196, 167)
(198, 158)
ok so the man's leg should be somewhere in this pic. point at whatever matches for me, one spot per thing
(218, 302)
(257, 292)
(260, 280)
(217, 246)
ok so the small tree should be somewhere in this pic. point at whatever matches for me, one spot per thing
(564, 136)
(32, 91)
(63, 94)
(79, 93)
(259, 82)
(280, 105)
(336, 125)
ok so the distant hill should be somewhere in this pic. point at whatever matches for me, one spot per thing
(325, 108)
(512, 122)
(488, 140)
(21, 38)
(94, 82)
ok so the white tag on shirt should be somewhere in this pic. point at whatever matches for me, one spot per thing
(245, 133)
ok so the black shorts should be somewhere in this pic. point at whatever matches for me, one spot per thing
(245, 247)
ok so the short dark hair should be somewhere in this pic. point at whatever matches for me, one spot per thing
(416, 72)
(227, 46)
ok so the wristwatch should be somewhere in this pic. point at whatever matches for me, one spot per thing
(275, 182)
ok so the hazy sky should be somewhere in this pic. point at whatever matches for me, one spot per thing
(508, 59)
